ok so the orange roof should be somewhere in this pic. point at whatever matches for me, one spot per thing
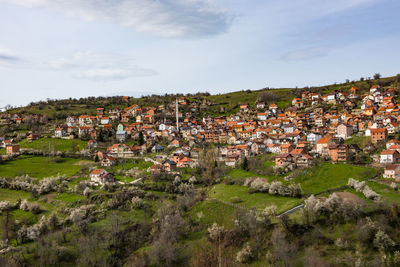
(380, 130)
(388, 152)
(324, 140)
(97, 171)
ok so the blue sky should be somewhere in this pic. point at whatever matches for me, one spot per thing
(73, 48)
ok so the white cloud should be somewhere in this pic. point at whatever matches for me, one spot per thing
(98, 67)
(83, 65)
(171, 18)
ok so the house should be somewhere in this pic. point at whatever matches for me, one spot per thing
(321, 147)
(185, 162)
(313, 137)
(105, 120)
(273, 108)
(120, 151)
(392, 171)
(389, 156)
(378, 135)
(108, 161)
(84, 131)
(391, 143)
(175, 143)
(32, 137)
(262, 116)
(157, 148)
(282, 159)
(260, 105)
(60, 132)
(244, 107)
(303, 160)
(170, 165)
(344, 131)
(297, 102)
(286, 148)
(338, 152)
(157, 169)
(121, 134)
(101, 176)
(12, 149)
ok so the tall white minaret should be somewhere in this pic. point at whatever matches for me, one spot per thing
(177, 116)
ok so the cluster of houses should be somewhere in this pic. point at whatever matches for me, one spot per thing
(313, 126)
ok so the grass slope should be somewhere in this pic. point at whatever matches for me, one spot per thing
(64, 145)
(255, 200)
(39, 167)
(329, 176)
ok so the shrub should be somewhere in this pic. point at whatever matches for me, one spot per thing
(245, 254)
(383, 241)
(215, 232)
(5, 205)
(137, 202)
(34, 208)
(24, 205)
(363, 188)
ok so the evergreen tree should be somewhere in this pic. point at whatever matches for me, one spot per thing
(245, 164)
(141, 138)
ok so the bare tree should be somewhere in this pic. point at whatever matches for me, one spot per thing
(283, 250)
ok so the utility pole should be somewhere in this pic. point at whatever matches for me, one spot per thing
(177, 116)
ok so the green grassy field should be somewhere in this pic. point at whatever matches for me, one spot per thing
(68, 197)
(388, 194)
(64, 145)
(255, 200)
(39, 167)
(13, 195)
(209, 212)
(329, 176)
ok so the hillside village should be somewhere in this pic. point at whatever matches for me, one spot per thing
(315, 126)
(127, 178)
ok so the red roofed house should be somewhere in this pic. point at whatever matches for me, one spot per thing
(389, 156)
(321, 146)
(380, 134)
(101, 176)
(282, 159)
(392, 171)
(244, 107)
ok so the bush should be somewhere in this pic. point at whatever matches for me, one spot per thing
(383, 241)
(215, 232)
(363, 188)
(137, 202)
(5, 205)
(245, 254)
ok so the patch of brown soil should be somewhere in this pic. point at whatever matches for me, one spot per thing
(350, 198)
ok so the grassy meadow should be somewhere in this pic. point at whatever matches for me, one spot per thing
(40, 167)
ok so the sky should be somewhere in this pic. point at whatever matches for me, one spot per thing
(72, 48)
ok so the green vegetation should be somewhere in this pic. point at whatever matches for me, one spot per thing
(69, 197)
(50, 144)
(13, 195)
(255, 200)
(330, 176)
(39, 167)
(211, 211)
(387, 193)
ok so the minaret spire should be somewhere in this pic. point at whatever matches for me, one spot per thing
(177, 116)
